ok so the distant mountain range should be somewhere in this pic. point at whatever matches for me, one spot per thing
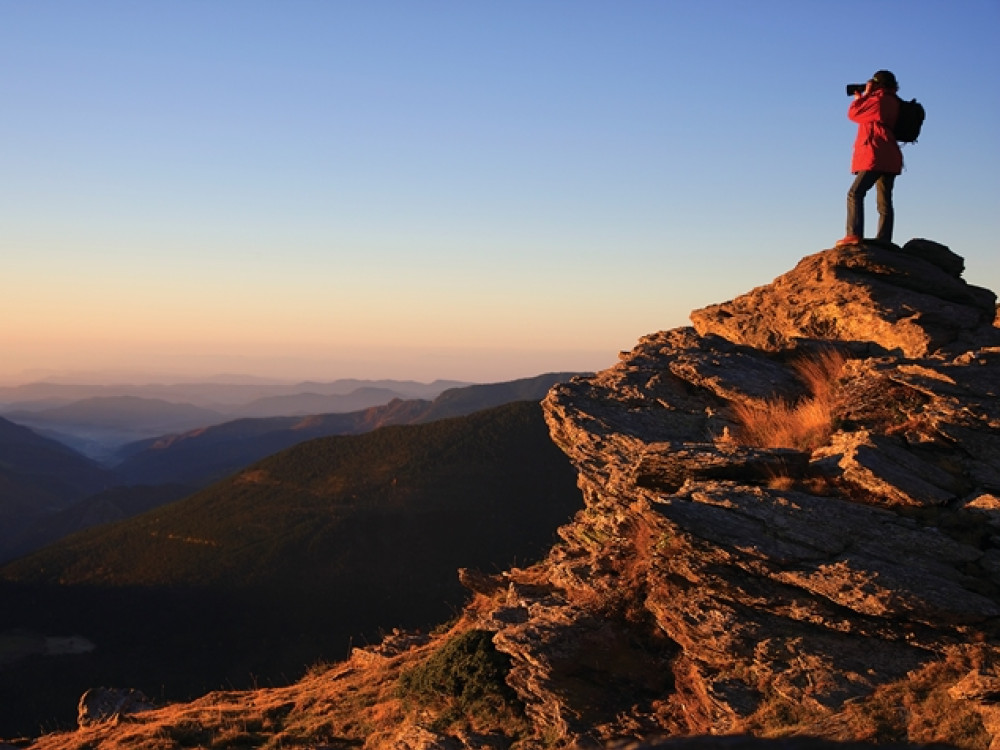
(218, 395)
(95, 426)
(301, 404)
(98, 420)
(284, 563)
(165, 468)
(204, 455)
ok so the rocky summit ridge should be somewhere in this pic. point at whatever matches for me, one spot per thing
(792, 529)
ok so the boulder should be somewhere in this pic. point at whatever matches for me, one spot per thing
(910, 301)
(777, 580)
(102, 705)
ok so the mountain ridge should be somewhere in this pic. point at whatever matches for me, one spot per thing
(98, 420)
(167, 467)
(215, 451)
(210, 393)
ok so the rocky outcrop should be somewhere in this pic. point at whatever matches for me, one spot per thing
(100, 705)
(913, 302)
(768, 588)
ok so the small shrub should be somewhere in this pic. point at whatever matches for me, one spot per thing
(779, 424)
(464, 680)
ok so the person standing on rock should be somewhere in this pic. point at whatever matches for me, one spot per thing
(877, 158)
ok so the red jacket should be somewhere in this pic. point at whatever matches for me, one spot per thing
(875, 148)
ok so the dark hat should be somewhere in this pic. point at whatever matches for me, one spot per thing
(885, 79)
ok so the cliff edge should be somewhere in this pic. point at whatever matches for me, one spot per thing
(800, 494)
(792, 530)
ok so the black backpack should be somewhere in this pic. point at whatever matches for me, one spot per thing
(911, 117)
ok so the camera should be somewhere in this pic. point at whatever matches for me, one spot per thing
(855, 88)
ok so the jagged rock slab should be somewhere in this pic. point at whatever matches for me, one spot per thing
(814, 590)
(911, 301)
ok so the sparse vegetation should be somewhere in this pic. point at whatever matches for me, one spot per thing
(804, 423)
(464, 680)
(189, 733)
(919, 709)
(915, 709)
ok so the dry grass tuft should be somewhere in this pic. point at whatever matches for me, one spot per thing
(464, 683)
(821, 374)
(803, 424)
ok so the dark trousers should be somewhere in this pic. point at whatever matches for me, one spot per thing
(856, 204)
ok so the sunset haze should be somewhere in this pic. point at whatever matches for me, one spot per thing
(446, 189)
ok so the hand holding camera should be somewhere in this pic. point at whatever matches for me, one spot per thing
(860, 89)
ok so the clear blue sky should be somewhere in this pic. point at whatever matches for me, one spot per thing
(473, 190)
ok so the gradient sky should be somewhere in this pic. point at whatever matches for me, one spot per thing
(449, 189)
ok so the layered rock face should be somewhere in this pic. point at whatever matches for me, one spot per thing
(744, 566)
(913, 303)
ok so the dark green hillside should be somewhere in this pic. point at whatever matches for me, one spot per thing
(286, 562)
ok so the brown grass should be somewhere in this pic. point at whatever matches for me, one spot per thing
(919, 709)
(352, 704)
(916, 709)
(803, 424)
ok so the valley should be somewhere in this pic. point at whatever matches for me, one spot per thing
(308, 542)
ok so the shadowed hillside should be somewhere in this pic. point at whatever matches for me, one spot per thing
(285, 563)
(108, 506)
(39, 476)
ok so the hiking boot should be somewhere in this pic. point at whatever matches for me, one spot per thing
(850, 239)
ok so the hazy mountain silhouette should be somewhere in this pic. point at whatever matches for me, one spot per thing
(122, 413)
(97, 420)
(94, 425)
(205, 455)
(284, 563)
(225, 393)
(302, 404)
